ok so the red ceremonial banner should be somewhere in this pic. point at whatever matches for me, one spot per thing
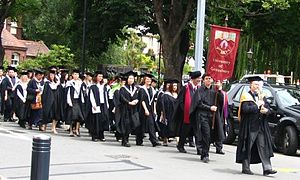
(222, 52)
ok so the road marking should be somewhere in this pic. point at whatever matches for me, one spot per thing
(9, 133)
(288, 170)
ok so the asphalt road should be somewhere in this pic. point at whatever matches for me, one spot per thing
(78, 158)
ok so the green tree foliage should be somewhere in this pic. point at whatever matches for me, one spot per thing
(51, 22)
(59, 55)
(128, 51)
(268, 28)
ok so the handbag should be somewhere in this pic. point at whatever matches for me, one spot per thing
(38, 104)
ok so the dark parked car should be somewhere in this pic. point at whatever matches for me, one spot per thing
(284, 120)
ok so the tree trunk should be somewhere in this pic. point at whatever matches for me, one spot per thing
(175, 38)
(174, 56)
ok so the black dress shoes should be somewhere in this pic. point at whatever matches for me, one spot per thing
(156, 144)
(126, 144)
(181, 149)
(191, 144)
(205, 159)
(249, 172)
(268, 172)
(220, 152)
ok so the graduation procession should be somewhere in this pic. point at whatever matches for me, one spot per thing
(192, 113)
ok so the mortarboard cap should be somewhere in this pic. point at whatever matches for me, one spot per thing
(75, 71)
(98, 72)
(52, 68)
(52, 72)
(174, 81)
(89, 74)
(1, 67)
(39, 71)
(147, 75)
(11, 68)
(23, 73)
(166, 81)
(254, 78)
(195, 74)
(130, 73)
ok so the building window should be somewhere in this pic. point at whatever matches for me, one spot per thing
(15, 58)
(13, 28)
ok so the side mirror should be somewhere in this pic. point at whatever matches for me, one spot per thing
(270, 100)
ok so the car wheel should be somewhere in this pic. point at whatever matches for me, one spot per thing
(289, 141)
(229, 132)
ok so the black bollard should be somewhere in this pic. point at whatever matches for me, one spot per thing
(40, 159)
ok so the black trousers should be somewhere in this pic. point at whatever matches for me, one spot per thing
(187, 131)
(125, 138)
(205, 136)
(266, 162)
(8, 108)
(111, 115)
(151, 131)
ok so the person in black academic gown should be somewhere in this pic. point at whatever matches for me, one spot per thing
(254, 141)
(167, 102)
(8, 87)
(182, 126)
(84, 92)
(128, 109)
(147, 113)
(206, 115)
(75, 115)
(158, 103)
(63, 91)
(51, 101)
(20, 105)
(98, 108)
(34, 90)
(117, 106)
(1, 99)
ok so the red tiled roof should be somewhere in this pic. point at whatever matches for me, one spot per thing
(9, 40)
(35, 48)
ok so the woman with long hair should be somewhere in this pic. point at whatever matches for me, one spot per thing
(129, 116)
(20, 105)
(51, 101)
(75, 116)
(98, 108)
(168, 100)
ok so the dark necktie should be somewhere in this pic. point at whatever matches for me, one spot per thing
(150, 92)
(13, 80)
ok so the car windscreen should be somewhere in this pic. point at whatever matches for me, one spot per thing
(288, 97)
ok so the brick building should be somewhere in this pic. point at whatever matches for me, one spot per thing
(16, 49)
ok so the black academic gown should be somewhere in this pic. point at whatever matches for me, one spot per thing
(84, 95)
(117, 104)
(8, 85)
(147, 121)
(51, 104)
(175, 126)
(167, 107)
(251, 122)
(21, 108)
(74, 114)
(99, 122)
(33, 115)
(129, 116)
(202, 100)
(62, 94)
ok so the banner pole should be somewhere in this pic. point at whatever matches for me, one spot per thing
(199, 35)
